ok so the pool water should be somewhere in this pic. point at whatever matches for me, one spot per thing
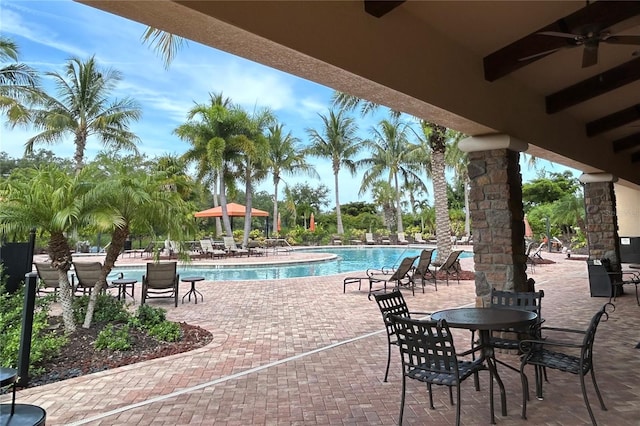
(349, 259)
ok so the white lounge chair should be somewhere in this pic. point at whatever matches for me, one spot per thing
(418, 237)
(402, 239)
(209, 250)
(232, 248)
(368, 238)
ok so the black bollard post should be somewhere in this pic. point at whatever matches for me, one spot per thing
(24, 352)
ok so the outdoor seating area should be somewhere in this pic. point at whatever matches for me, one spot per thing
(261, 373)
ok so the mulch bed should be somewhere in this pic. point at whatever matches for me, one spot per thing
(79, 357)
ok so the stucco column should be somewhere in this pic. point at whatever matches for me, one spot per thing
(497, 216)
(600, 214)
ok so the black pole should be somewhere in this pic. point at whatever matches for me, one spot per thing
(24, 351)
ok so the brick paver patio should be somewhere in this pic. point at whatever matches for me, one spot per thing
(299, 351)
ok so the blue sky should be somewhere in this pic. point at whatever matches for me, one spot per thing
(49, 32)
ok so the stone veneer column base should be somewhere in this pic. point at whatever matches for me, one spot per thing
(600, 217)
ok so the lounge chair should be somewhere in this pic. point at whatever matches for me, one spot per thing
(209, 251)
(537, 254)
(368, 239)
(422, 270)
(49, 278)
(451, 266)
(384, 239)
(401, 239)
(418, 238)
(401, 276)
(87, 275)
(160, 281)
(530, 260)
(232, 248)
(336, 240)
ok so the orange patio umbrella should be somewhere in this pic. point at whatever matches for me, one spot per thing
(233, 209)
(312, 223)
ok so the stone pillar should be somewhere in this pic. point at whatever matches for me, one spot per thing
(600, 218)
(497, 216)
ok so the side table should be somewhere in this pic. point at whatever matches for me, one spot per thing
(122, 284)
(193, 290)
(18, 414)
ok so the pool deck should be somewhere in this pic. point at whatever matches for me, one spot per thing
(299, 351)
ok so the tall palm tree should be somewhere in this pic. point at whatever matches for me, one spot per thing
(457, 160)
(385, 196)
(390, 153)
(83, 109)
(338, 142)
(434, 138)
(212, 130)
(250, 147)
(19, 84)
(286, 157)
(54, 202)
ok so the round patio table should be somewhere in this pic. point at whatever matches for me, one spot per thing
(484, 320)
(193, 290)
(18, 414)
(122, 284)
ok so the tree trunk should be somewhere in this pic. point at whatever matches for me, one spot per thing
(249, 202)
(223, 204)
(443, 225)
(398, 206)
(338, 213)
(60, 256)
(467, 213)
(274, 222)
(118, 237)
(216, 203)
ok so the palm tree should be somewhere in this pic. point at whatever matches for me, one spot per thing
(338, 142)
(19, 84)
(384, 195)
(250, 147)
(390, 153)
(54, 202)
(434, 138)
(286, 157)
(212, 137)
(83, 109)
(127, 196)
(457, 160)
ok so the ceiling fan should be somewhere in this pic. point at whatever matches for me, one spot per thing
(590, 39)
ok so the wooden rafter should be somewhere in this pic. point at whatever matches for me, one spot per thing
(510, 58)
(612, 121)
(379, 8)
(594, 86)
(628, 142)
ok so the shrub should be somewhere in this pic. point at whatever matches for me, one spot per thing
(166, 331)
(44, 344)
(154, 321)
(112, 337)
(108, 309)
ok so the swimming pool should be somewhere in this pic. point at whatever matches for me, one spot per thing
(348, 259)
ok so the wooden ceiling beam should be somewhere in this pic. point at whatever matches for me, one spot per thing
(612, 121)
(628, 142)
(510, 58)
(379, 8)
(594, 86)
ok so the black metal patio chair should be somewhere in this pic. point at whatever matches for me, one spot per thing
(429, 355)
(450, 267)
(422, 270)
(549, 353)
(393, 304)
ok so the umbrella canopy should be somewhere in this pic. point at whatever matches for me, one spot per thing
(312, 223)
(528, 232)
(233, 209)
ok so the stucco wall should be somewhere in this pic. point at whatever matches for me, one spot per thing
(628, 211)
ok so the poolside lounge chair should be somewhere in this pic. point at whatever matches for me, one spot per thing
(48, 277)
(422, 271)
(160, 281)
(401, 276)
(209, 251)
(232, 248)
(451, 266)
(537, 253)
(384, 239)
(87, 275)
(402, 239)
(418, 238)
(368, 238)
(336, 240)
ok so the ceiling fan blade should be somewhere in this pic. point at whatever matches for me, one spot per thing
(622, 39)
(539, 55)
(589, 56)
(559, 34)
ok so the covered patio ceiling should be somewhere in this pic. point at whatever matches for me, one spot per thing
(478, 67)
